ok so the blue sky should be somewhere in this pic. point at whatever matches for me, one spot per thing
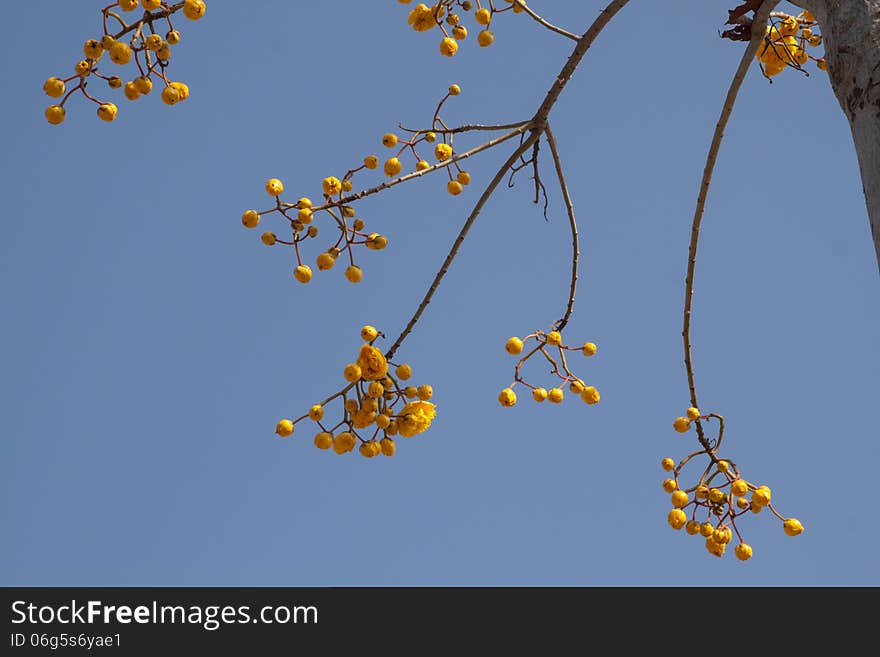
(150, 342)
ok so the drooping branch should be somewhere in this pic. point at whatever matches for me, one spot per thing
(758, 28)
(569, 207)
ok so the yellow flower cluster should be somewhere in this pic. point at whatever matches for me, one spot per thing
(338, 199)
(719, 497)
(150, 51)
(302, 213)
(785, 43)
(545, 343)
(369, 416)
(423, 18)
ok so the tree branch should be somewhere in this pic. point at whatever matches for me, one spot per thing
(549, 26)
(569, 206)
(758, 29)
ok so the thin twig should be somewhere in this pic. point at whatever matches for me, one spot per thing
(445, 163)
(536, 126)
(546, 24)
(758, 28)
(569, 207)
(467, 127)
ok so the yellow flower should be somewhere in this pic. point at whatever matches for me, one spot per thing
(316, 413)
(387, 446)
(323, 440)
(485, 38)
(448, 47)
(454, 187)
(792, 527)
(463, 177)
(343, 442)
(421, 18)
(667, 464)
(554, 338)
(693, 413)
(590, 395)
(55, 114)
(425, 392)
(392, 166)
(483, 16)
(513, 346)
(670, 485)
(681, 424)
(372, 363)
(403, 372)
(284, 428)
(761, 497)
(303, 273)
(589, 349)
(268, 238)
(715, 548)
(250, 219)
(539, 394)
(415, 418)
(389, 140)
(120, 53)
(363, 418)
(274, 187)
(442, 151)
(194, 9)
(507, 397)
(454, 90)
(93, 49)
(706, 529)
(371, 161)
(739, 487)
(692, 527)
(331, 186)
(54, 87)
(352, 372)
(743, 551)
(354, 274)
(679, 499)
(325, 261)
(555, 395)
(676, 519)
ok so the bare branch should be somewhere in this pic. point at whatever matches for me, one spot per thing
(548, 25)
(569, 206)
(758, 28)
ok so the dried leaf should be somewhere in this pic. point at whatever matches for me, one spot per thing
(745, 7)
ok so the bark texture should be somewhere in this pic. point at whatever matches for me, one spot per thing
(851, 30)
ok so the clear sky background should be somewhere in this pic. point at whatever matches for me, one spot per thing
(150, 343)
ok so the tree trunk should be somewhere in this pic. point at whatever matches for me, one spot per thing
(851, 32)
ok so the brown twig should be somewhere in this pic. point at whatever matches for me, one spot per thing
(569, 207)
(545, 23)
(757, 36)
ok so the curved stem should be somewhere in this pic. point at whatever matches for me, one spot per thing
(490, 188)
(758, 27)
(569, 207)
